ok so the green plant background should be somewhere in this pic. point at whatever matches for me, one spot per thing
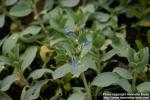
(73, 49)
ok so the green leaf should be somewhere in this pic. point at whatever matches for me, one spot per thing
(139, 44)
(144, 87)
(4, 96)
(108, 55)
(34, 91)
(148, 37)
(102, 17)
(5, 61)
(31, 39)
(144, 56)
(9, 2)
(56, 41)
(130, 56)
(105, 79)
(28, 56)
(124, 84)
(121, 47)
(21, 9)
(77, 93)
(2, 40)
(48, 4)
(10, 43)
(69, 3)
(32, 30)
(87, 47)
(2, 20)
(88, 8)
(39, 73)
(85, 64)
(123, 72)
(6, 82)
(61, 71)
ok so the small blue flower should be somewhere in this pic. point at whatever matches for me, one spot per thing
(74, 62)
(68, 31)
(85, 42)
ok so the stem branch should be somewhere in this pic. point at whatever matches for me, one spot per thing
(89, 97)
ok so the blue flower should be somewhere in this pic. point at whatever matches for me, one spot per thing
(85, 42)
(68, 31)
(74, 62)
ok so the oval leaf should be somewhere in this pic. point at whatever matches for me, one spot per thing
(105, 79)
(5, 61)
(124, 84)
(108, 55)
(34, 91)
(61, 71)
(87, 47)
(144, 87)
(77, 93)
(28, 57)
(21, 9)
(69, 3)
(6, 82)
(32, 30)
(48, 4)
(39, 73)
(10, 43)
(123, 72)
(86, 63)
(9, 2)
(2, 20)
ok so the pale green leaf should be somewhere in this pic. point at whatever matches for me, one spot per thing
(32, 30)
(87, 47)
(123, 72)
(5, 61)
(6, 82)
(139, 44)
(2, 20)
(28, 56)
(124, 84)
(39, 73)
(108, 55)
(145, 53)
(77, 93)
(86, 63)
(88, 8)
(102, 17)
(61, 71)
(48, 4)
(9, 2)
(144, 87)
(148, 37)
(34, 91)
(2, 40)
(105, 79)
(10, 43)
(69, 3)
(21, 9)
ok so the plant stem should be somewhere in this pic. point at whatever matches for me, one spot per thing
(45, 63)
(89, 97)
(97, 90)
(134, 82)
(38, 17)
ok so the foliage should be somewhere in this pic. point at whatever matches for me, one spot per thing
(51, 46)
